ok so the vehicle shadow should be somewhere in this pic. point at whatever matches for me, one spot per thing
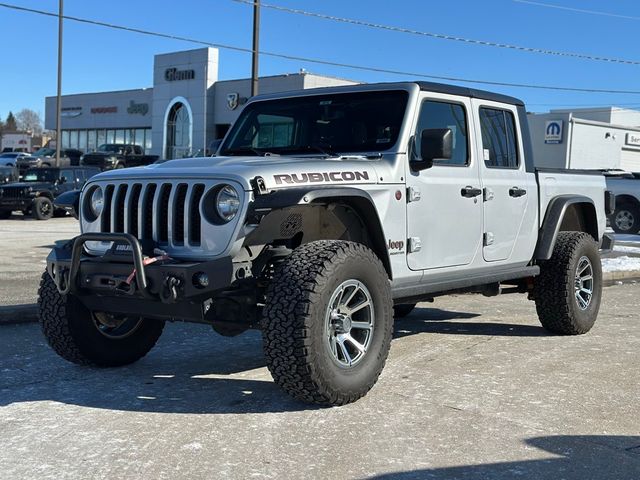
(576, 457)
(435, 320)
(191, 370)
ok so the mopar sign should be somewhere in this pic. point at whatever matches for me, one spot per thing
(553, 131)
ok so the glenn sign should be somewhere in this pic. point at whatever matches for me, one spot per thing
(633, 139)
(174, 75)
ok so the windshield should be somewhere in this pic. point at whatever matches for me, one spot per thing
(44, 152)
(326, 124)
(49, 175)
(108, 148)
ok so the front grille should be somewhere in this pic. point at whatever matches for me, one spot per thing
(14, 192)
(166, 213)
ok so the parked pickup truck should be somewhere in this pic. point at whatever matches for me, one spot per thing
(626, 187)
(46, 157)
(39, 188)
(325, 209)
(113, 156)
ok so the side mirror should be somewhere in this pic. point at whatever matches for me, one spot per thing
(435, 144)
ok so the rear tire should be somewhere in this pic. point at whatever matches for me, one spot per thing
(625, 218)
(568, 290)
(42, 208)
(75, 334)
(314, 312)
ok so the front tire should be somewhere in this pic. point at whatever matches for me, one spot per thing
(85, 338)
(328, 321)
(42, 208)
(568, 290)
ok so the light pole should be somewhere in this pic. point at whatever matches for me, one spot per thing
(59, 97)
(256, 46)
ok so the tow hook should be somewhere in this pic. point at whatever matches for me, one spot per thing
(169, 292)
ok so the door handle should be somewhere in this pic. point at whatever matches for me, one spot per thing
(470, 192)
(517, 192)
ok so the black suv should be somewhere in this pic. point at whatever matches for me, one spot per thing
(39, 188)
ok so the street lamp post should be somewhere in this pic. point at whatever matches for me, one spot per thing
(59, 96)
(256, 46)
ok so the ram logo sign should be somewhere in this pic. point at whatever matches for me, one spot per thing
(553, 131)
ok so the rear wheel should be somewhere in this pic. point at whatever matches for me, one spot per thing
(569, 288)
(625, 218)
(42, 208)
(89, 338)
(328, 320)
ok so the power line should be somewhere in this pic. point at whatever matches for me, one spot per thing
(319, 61)
(441, 36)
(578, 10)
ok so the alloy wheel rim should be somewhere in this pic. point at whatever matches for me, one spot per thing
(624, 220)
(349, 323)
(583, 288)
(115, 328)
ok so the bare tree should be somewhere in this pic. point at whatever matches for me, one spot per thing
(29, 121)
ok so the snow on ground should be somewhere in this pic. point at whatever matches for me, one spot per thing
(626, 249)
(620, 264)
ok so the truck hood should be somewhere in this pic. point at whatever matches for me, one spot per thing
(35, 186)
(277, 171)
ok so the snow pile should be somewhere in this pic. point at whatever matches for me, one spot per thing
(620, 264)
(626, 249)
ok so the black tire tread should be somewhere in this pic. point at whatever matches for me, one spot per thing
(53, 314)
(554, 285)
(297, 284)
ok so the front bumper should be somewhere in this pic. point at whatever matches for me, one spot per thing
(16, 203)
(122, 282)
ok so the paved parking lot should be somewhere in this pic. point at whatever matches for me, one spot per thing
(473, 388)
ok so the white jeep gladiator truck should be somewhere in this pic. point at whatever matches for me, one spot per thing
(326, 210)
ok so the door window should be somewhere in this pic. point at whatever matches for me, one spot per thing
(445, 115)
(499, 143)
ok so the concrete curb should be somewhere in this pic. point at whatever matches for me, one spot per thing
(10, 314)
(14, 314)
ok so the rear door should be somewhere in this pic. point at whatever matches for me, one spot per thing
(509, 191)
(444, 209)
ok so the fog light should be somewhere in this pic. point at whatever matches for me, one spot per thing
(201, 280)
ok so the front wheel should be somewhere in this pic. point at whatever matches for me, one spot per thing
(92, 338)
(42, 208)
(327, 322)
(569, 288)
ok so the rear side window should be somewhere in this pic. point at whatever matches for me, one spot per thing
(499, 143)
(67, 175)
(80, 177)
(445, 115)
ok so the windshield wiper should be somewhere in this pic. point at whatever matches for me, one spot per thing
(245, 150)
(312, 148)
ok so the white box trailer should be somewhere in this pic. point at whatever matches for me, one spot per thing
(561, 140)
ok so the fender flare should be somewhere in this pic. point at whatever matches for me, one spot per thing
(553, 218)
(69, 201)
(355, 198)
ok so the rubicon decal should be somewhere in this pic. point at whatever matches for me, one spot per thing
(318, 177)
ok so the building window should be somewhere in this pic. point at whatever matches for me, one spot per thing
(178, 131)
(101, 137)
(65, 139)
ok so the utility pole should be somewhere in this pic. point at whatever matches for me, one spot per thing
(59, 97)
(256, 46)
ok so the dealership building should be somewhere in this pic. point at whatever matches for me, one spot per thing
(186, 109)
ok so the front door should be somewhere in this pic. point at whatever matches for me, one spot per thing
(446, 220)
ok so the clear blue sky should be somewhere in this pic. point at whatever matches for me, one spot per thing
(99, 59)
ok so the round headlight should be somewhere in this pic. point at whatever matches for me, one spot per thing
(227, 203)
(96, 202)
